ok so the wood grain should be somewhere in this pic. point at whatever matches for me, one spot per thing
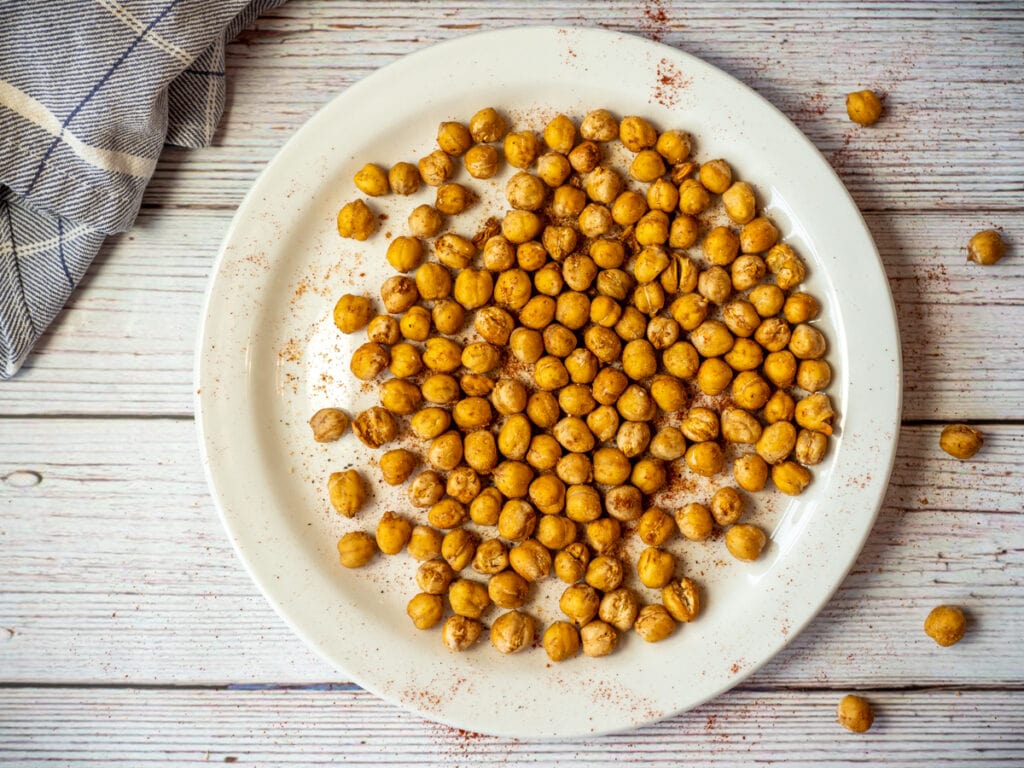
(124, 344)
(116, 569)
(76, 727)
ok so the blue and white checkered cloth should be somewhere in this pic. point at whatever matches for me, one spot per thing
(90, 91)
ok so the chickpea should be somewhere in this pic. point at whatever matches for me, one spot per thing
(674, 146)
(445, 451)
(800, 308)
(526, 345)
(455, 252)
(663, 195)
(791, 478)
(476, 384)
(328, 424)
(602, 535)
(598, 639)
(603, 421)
(352, 313)
(595, 220)
(547, 493)
(654, 567)
(404, 178)
(440, 389)
(568, 202)
(742, 319)
(637, 133)
(556, 532)
(758, 235)
(542, 408)
(647, 166)
(582, 503)
(453, 199)
(580, 603)
(561, 641)
(559, 341)
(513, 479)
(585, 157)
(514, 437)
(780, 368)
(767, 299)
(374, 427)
(426, 489)
(632, 439)
(473, 288)
(604, 573)
(750, 472)
(693, 198)
(356, 549)
(576, 400)
(740, 426)
(499, 254)
(603, 343)
(726, 506)
(986, 248)
(513, 631)
(649, 475)
(573, 434)
(713, 376)
(512, 289)
(611, 466)
(463, 484)
(705, 458)
(553, 168)
(863, 107)
(559, 242)
(747, 271)
(813, 375)
(521, 148)
(787, 267)
(487, 125)
(740, 202)
(525, 191)
(481, 161)
(356, 220)
(715, 285)
(628, 208)
(695, 522)
(636, 404)
(436, 168)
(810, 447)
(549, 373)
(652, 228)
(458, 548)
(486, 507)
(681, 599)
(393, 532)
(599, 125)
(347, 492)
(639, 360)
(663, 332)
(624, 503)
(468, 598)
(508, 397)
(405, 253)
(398, 293)
(433, 282)
(571, 562)
(700, 424)
(946, 625)
(531, 560)
(434, 576)
(574, 469)
(572, 309)
(745, 542)
(750, 391)
(632, 325)
(854, 713)
(684, 230)
(447, 513)
(520, 226)
(442, 355)
(815, 412)
(681, 360)
(776, 442)
(806, 342)
(424, 544)
(745, 355)
(655, 527)
(454, 138)
(960, 441)
(491, 557)
(460, 633)
(668, 445)
(396, 466)
(780, 407)
(605, 311)
(654, 623)
(773, 334)
(494, 324)
(517, 520)
(720, 246)
(608, 254)
(531, 256)
(384, 329)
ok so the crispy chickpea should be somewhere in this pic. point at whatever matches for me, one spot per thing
(494, 324)
(559, 341)
(780, 407)
(570, 564)
(633, 438)
(436, 168)
(694, 199)
(624, 503)
(404, 178)
(486, 507)
(514, 437)
(572, 433)
(637, 134)
(604, 572)
(776, 442)
(572, 309)
(853, 712)
(986, 248)
(705, 458)
(863, 107)
(684, 230)
(674, 146)
(758, 235)
(512, 289)
(526, 345)
(720, 246)
(458, 547)
(482, 161)
(652, 228)
(440, 389)
(356, 549)
(585, 157)
(603, 421)
(810, 447)
(603, 343)
(508, 589)
(649, 475)
(568, 202)
(525, 191)
(405, 253)
(680, 360)
(595, 220)
(713, 376)
(513, 631)
(374, 427)
(454, 251)
(611, 466)
(791, 478)
(520, 226)
(393, 532)
(663, 195)
(499, 254)
(663, 332)
(603, 185)
(398, 293)
(813, 375)
(815, 412)
(628, 207)
(607, 254)
(745, 542)
(579, 603)
(780, 368)
(347, 492)
(517, 520)
(711, 338)
(773, 334)
(767, 299)
(647, 166)
(468, 598)
(576, 400)
(806, 342)
(434, 576)
(447, 513)
(559, 242)
(649, 298)
(547, 492)
(426, 489)
(750, 391)
(632, 325)
(960, 441)
(487, 125)
(453, 199)
(946, 625)
(636, 404)
(396, 466)
(582, 503)
(740, 202)
(531, 560)
(726, 506)
(424, 544)
(655, 527)
(745, 355)
(654, 568)
(695, 522)
(473, 288)
(654, 623)
(747, 271)
(521, 148)
(442, 355)
(599, 125)
(433, 282)
(481, 357)
(750, 472)
(560, 134)
(476, 384)
(602, 535)
(509, 396)
(384, 329)
(513, 479)
(549, 373)
(608, 385)
(700, 424)
(352, 313)
(531, 256)
(741, 317)
(356, 220)
(553, 168)
(542, 408)
(598, 639)
(329, 424)
(460, 633)
(639, 360)
(668, 445)
(650, 263)
(788, 268)
(454, 138)
(491, 557)
(681, 599)
(605, 311)
(556, 532)
(739, 426)
(463, 484)
(445, 451)
(800, 308)
(561, 641)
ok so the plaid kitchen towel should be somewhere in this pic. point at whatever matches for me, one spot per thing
(90, 90)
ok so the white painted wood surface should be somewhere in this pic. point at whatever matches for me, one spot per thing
(129, 631)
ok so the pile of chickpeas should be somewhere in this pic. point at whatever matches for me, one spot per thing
(550, 370)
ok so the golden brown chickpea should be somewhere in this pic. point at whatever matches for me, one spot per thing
(352, 313)
(509, 396)
(716, 176)
(472, 413)
(517, 520)
(767, 299)
(603, 343)
(559, 242)
(468, 598)
(514, 437)
(520, 226)
(694, 199)
(745, 355)
(647, 166)
(573, 434)
(758, 235)
(556, 532)
(476, 385)
(585, 157)
(560, 134)
(433, 282)
(780, 368)
(436, 168)
(447, 513)
(426, 489)
(602, 535)
(654, 568)
(608, 254)
(513, 631)
(684, 231)
(649, 475)
(946, 625)
(663, 195)
(986, 248)
(434, 576)
(608, 385)
(624, 503)
(531, 256)
(572, 309)
(571, 563)
(632, 325)
(396, 466)
(720, 246)
(715, 284)
(780, 407)
(398, 293)
(741, 317)
(481, 357)
(559, 341)
(700, 424)
(636, 404)
(486, 507)
(440, 389)
(553, 168)
(960, 441)
(605, 311)
(526, 345)
(374, 427)
(542, 408)
(776, 442)
(384, 329)
(739, 426)
(494, 324)
(453, 199)
(473, 288)
(705, 458)
(813, 375)
(328, 424)
(750, 472)
(356, 549)
(531, 560)
(650, 263)
(499, 254)
(508, 589)
(599, 125)
(726, 506)
(568, 202)
(455, 251)
(576, 400)
(654, 623)
(773, 334)
(740, 202)
(790, 478)
(711, 338)
(652, 229)
(487, 125)
(668, 445)
(713, 376)
(815, 412)
(405, 253)
(582, 503)
(611, 466)
(604, 572)
(674, 146)
(512, 289)
(454, 138)
(521, 148)
(854, 713)
(513, 479)
(603, 421)
(460, 633)
(491, 557)
(595, 220)
(525, 191)
(636, 133)
(482, 161)
(806, 342)
(663, 332)
(442, 355)
(750, 391)
(393, 532)
(628, 207)
(745, 542)
(863, 107)
(633, 438)
(681, 599)
(424, 544)
(747, 271)
(680, 360)
(649, 298)
(788, 268)
(347, 492)
(598, 639)
(810, 447)
(639, 360)
(549, 373)
(800, 308)
(404, 178)
(356, 220)
(604, 185)
(655, 527)
(547, 492)
(561, 641)
(579, 603)
(458, 547)
(445, 451)
(695, 522)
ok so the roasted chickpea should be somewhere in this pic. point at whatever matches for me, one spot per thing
(525, 191)
(585, 157)
(810, 447)
(750, 391)
(520, 226)
(531, 256)
(553, 168)
(440, 389)
(598, 639)
(455, 252)
(628, 208)
(711, 338)
(521, 148)
(713, 376)
(513, 479)
(433, 282)
(758, 235)
(986, 248)
(356, 220)
(715, 285)
(491, 557)
(454, 138)
(356, 549)
(486, 507)
(487, 125)
(352, 313)
(556, 532)
(815, 412)
(513, 631)
(599, 125)
(393, 532)
(445, 451)
(776, 442)
(705, 458)
(512, 289)
(780, 368)
(745, 542)
(681, 599)
(632, 325)
(716, 176)
(436, 168)
(767, 299)
(383, 329)
(694, 199)
(434, 576)
(864, 108)
(655, 567)
(396, 466)
(813, 375)
(542, 408)
(773, 334)
(604, 572)
(674, 146)
(328, 424)
(647, 166)
(453, 199)
(426, 489)
(481, 161)
(514, 437)
(509, 396)
(639, 360)
(655, 527)
(633, 438)
(547, 492)
(447, 513)
(960, 441)
(458, 548)
(695, 522)
(603, 343)
(494, 324)
(468, 598)
(652, 228)
(531, 560)
(425, 544)
(595, 220)
(637, 133)
(561, 641)
(608, 254)
(790, 478)
(624, 503)
(476, 385)
(347, 492)
(602, 535)
(726, 506)
(663, 332)
(442, 355)
(582, 503)
(946, 625)
(740, 426)
(619, 608)
(499, 254)
(680, 360)
(374, 427)
(404, 178)
(460, 633)
(780, 407)
(398, 293)
(668, 445)
(579, 603)
(854, 713)
(750, 472)
(663, 195)
(636, 404)
(800, 308)
(747, 271)
(560, 134)
(684, 230)
(806, 342)
(649, 475)
(654, 623)
(788, 268)
(568, 202)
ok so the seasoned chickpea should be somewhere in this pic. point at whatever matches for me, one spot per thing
(553, 168)
(404, 178)
(575, 468)
(740, 202)
(356, 549)
(393, 532)
(800, 308)
(806, 342)
(694, 199)
(788, 268)
(487, 125)
(453, 199)
(499, 254)
(559, 242)
(491, 557)
(526, 345)
(604, 572)
(745, 542)
(445, 451)
(486, 507)
(780, 407)
(512, 289)
(632, 325)
(447, 513)
(572, 309)
(448, 316)
(561, 641)
(559, 341)
(960, 441)
(603, 343)
(531, 256)
(637, 133)
(455, 252)
(525, 191)
(547, 493)
(560, 134)
(599, 125)
(747, 271)
(853, 712)
(398, 293)
(347, 492)
(531, 560)
(663, 195)
(440, 389)
(598, 639)
(668, 445)
(705, 458)
(739, 426)
(636, 404)
(513, 479)
(714, 376)
(624, 503)
(442, 354)
(655, 527)
(700, 424)
(436, 168)
(328, 424)
(573, 434)
(750, 472)
(815, 412)
(986, 248)
(750, 391)
(813, 375)
(726, 506)
(424, 544)
(716, 176)
(520, 226)
(791, 478)
(426, 489)
(405, 253)
(647, 166)
(633, 438)
(758, 235)
(580, 603)
(741, 317)
(663, 332)
(655, 567)
(810, 447)
(684, 231)
(509, 396)
(513, 631)
(542, 408)
(582, 503)
(356, 220)
(780, 368)
(521, 148)
(776, 442)
(433, 282)
(695, 522)
(585, 157)
(652, 228)
(946, 625)
(468, 598)
(745, 355)
(476, 384)
(472, 413)
(434, 576)
(549, 373)
(384, 329)
(605, 311)
(681, 360)
(494, 324)
(720, 246)
(604, 185)
(639, 360)
(767, 299)
(507, 589)
(595, 220)
(517, 520)
(571, 563)
(674, 146)
(567, 202)
(649, 475)
(602, 535)
(396, 466)
(374, 427)
(352, 313)
(481, 161)
(514, 437)
(628, 208)
(681, 599)
(715, 285)
(556, 532)
(654, 623)
(773, 334)
(863, 107)
(460, 633)
(458, 547)
(454, 138)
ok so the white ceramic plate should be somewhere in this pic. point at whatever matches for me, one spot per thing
(269, 356)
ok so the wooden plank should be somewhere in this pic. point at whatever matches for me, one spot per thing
(124, 343)
(76, 727)
(115, 569)
(955, 104)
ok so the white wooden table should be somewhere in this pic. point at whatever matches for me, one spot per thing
(129, 632)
